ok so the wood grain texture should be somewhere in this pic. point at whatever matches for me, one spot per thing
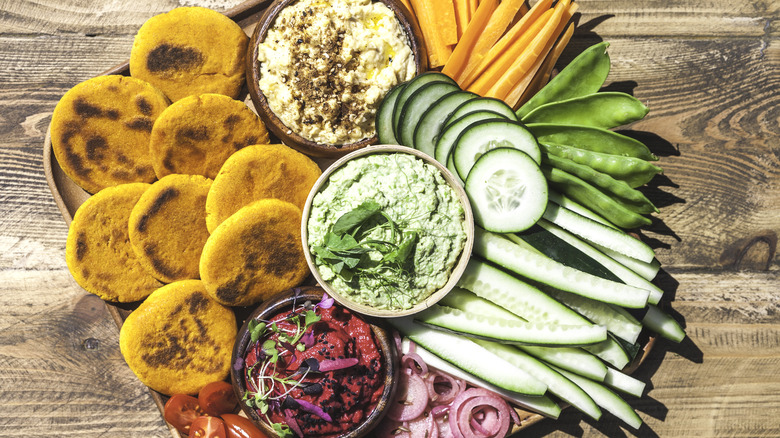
(709, 72)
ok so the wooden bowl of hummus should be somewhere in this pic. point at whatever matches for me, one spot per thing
(387, 231)
(317, 71)
(301, 361)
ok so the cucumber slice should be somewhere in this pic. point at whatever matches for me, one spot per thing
(617, 321)
(483, 104)
(416, 105)
(531, 304)
(539, 404)
(658, 321)
(648, 271)
(545, 270)
(573, 359)
(617, 270)
(509, 331)
(412, 86)
(561, 250)
(595, 232)
(384, 116)
(624, 383)
(507, 190)
(450, 133)
(556, 383)
(605, 398)
(470, 357)
(431, 123)
(483, 136)
(569, 204)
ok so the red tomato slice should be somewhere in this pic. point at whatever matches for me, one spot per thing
(208, 427)
(181, 410)
(240, 427)
(218, 398)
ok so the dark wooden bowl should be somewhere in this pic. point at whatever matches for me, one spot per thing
(274, 124)
(285, 301)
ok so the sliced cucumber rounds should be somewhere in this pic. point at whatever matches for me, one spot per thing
(412, 86)
(384, 116)
(450, 133)
(490, 134)
(416, 105)
(507, 190)
(483, 104)
(432, 121)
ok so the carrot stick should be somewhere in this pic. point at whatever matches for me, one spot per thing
(520, 67)
(438, 52)
(515, 94)
(496, 26)
(545, 71)
(462, 16)
(443, 12)
(457, 61)
(481, 61)
(504, 62)
(473, 4)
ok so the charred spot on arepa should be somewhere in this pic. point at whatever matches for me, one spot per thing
(98, 131)
(254, 254)
(168, 58)
(179, 339)
(157, 203)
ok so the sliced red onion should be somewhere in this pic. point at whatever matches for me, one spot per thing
(473, 400)
(337, 364)
(313, 409)
(423, 426)
(443, 424)
(290, 420)
(444, 398)
(415, 363)
(412, 398)
(440, 410)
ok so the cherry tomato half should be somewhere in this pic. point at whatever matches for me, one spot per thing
(217, 398)
(240, 427)
(181, 410)
(208, 427)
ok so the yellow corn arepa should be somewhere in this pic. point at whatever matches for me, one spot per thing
(179, 339)
(167, 227)
(98, 251)
(260, 172)
(100, 131)
(190, 50)
(195, 135)
(254, 254)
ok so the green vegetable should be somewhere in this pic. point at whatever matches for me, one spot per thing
(609, 185)
(584, 75)
(592, 139)
(602, 110)
(634, 171)
(593, 198)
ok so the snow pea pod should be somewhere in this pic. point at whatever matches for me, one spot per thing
(634, 171)
(584, 75)
(603, 110)
(591, 138)
(601, 203)
(606, 183)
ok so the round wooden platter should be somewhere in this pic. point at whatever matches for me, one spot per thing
(69, 196)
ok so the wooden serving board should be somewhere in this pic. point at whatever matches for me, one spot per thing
(69, 196)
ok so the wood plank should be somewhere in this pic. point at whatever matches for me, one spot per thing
(60, 363)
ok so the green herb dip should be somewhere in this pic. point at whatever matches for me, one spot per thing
(416, 206)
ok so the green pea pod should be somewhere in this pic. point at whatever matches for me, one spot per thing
(592, 139)
(593, 198)
(604, 182)
(603, 110)
(634, 171)
(584, 75)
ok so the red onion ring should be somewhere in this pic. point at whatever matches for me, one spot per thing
(412, 398)
(445, 397)
(423, 426)
(473, 400)
(412, 362)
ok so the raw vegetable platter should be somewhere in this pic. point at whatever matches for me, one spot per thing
(576, 235)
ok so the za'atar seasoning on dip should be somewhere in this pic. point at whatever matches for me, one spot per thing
(315, 370)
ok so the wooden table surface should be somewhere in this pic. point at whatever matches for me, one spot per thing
(709, 71)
